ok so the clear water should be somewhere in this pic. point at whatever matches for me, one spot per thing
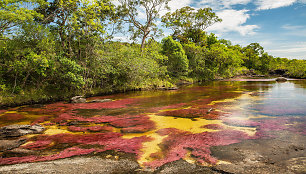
(157, 127)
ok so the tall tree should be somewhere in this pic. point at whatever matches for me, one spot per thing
(253, 52)
(130, 10)
(76, 21)
(189, 24)
(16, 12)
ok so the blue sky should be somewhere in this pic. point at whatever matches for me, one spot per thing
(278, 25)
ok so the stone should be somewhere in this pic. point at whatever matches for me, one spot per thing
(10, 144)
(20, 130)
(281, 79)
(100, 100)
(78, 99)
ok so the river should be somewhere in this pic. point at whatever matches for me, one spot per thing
(194, 123)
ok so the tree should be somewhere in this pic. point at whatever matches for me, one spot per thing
(129, 9)
(189, 24)
(77, 22)
(177, 60)
(252, 52)
(13, 13)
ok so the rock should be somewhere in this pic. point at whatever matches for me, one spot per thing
(20, 130)
(281, 79)
(170, 88)
(19, 152)
(10, 144)
(100, 100)
(76, 165)
(183, 167)
(78, 99)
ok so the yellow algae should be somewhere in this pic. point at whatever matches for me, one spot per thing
(173, 109)
(185, 124)
(163, 122)
(188, 158)
(53, 130)
(150, 147)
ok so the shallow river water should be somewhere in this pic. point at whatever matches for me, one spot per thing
(157, 127)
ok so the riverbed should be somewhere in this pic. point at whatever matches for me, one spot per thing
(237, 126)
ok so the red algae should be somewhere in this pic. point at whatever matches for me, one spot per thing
(106, 105)
(108, 140)
(3, 111)
(178, 143)
(38, 145)
(213, 126)
(139, 128)
(174, 106)
(12, 117)
(90, 129)
(41, 120)
(73, 151)
(192, 113)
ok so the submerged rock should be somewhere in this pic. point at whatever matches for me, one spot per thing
(78, 99)
(281, 79)
(10, 144)
(100, 100)
(20, 130)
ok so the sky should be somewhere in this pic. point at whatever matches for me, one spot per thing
(277, 25)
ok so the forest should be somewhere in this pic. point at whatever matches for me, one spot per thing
(52, 50)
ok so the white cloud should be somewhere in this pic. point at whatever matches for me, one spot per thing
(294, 30)
(233, 20)
(270, 4)
(292, 51)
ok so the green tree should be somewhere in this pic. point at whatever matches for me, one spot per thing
(189, 24)
(15, 12)
(177, 60)
(129, 9)
(252, 52)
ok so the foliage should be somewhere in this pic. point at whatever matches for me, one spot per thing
(188, 24)
(129, 9)
(177, 60)
(56, 49)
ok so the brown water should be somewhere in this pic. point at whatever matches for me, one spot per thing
(157, 127)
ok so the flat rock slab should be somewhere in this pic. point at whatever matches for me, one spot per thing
(77, 165)
(10, 144)
(284, 154)
(20, 130)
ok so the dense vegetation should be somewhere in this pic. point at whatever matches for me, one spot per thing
(56, 49)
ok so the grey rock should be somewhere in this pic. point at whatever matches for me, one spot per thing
(78, 99)
(10, 144)
(20, 130)
(100, 100)
(281, 79)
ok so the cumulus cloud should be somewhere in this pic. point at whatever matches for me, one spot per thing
(233, 20)
(271, 4)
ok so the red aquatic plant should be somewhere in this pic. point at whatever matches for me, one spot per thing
(213, 126)
(69, 152)
(106, 105)
(178, 143)
(12, 117)
(3, 111)
(173, 106)
(38, 145)
(90, 129)
(41, 120)
(192, 113)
